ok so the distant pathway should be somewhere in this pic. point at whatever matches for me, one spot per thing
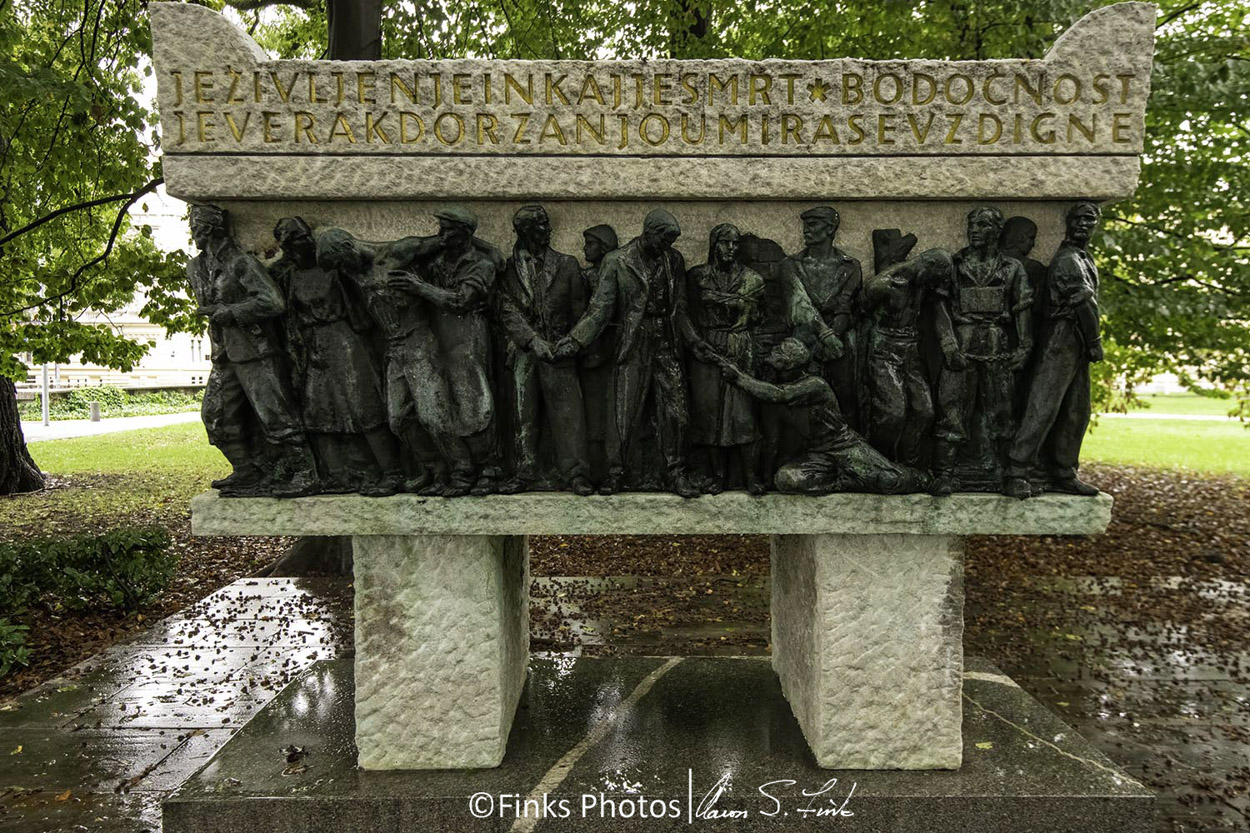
(66, 428)
(1179, 417)
(61, 429)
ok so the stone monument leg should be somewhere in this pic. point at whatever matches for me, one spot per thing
(442, 645)
(867, 635)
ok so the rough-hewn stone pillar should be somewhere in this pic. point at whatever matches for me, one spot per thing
(867, 635)
(442, 643)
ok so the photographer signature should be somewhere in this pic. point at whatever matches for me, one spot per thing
(779, 799)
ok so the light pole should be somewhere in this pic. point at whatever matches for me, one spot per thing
(47, 417)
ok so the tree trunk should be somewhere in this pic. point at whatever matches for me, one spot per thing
(18, 473)
(355, 29)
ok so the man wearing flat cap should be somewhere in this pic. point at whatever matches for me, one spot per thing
(642, 291)
(452, 276)
(823, 285)
(541, 296)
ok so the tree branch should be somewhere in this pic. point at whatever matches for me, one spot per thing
(130, 199)
(1183, 10)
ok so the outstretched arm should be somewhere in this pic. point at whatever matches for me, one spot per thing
(806, 391)
(598, 313)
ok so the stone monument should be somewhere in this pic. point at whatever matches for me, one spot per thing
(442, 377)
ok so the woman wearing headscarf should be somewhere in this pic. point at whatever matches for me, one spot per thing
(724, 299)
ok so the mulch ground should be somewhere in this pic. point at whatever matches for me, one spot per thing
(1164, 524)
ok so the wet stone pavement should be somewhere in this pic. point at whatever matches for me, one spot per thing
(98, 749)
(99, 752)
(1174, 715)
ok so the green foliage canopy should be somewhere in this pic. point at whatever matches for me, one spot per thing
(77, 150)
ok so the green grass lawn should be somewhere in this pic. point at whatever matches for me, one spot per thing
(1184, 403)
(1206, 447)
(181, 448)
(130, 477)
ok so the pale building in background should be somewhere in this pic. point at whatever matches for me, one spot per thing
(178, 361)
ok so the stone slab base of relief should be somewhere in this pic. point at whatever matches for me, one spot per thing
(663, 731)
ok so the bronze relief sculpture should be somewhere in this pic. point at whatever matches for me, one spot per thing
(983, 325)
(1058, 406)
(437, 366)
(723, 299)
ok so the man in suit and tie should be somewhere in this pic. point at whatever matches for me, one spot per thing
(541, 297)
(642, 290)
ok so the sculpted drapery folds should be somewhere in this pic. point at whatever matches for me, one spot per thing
(724, 299)
(433, 365)
(642, 290)
(341, 396)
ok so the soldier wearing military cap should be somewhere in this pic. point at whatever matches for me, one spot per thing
(823, 285)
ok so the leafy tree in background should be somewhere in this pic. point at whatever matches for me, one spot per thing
(77, 143)
(77, 151)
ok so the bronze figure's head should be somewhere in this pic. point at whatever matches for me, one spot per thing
(985, 227)
(723, 245)
(1018, 237)
(1081, 220)
(659, 231)
(533, 227)
(599, 240)
(820, 225)
(208, 223)
(295, 237)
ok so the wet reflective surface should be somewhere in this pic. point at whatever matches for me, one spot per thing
(98, 751)
(660, 731)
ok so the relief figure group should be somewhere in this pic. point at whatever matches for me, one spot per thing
(441, 366)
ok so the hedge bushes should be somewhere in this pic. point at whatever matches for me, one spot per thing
(114, 402)
(120, 570)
